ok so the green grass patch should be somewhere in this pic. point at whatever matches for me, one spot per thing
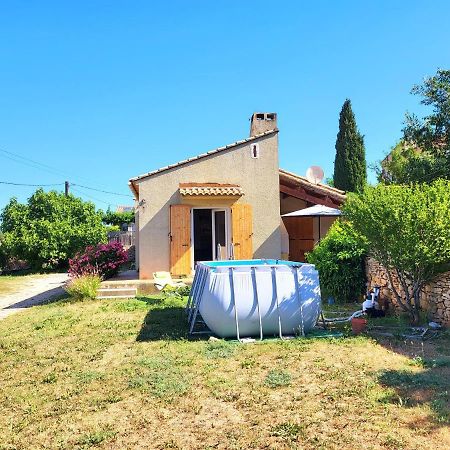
(277, 378)
(288, 431)
(95, 438)
(160, 377)
(220, 349)
(428, 363)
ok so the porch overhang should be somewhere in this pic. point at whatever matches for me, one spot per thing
(210, 190)
(314, 194)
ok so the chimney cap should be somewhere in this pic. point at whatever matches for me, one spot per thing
(262, 121)
(264, 116)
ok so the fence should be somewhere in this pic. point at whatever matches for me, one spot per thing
(126, 238)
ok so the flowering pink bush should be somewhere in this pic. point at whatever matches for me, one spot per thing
(103, 260)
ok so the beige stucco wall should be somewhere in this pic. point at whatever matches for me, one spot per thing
(136, 239)
(257, 176)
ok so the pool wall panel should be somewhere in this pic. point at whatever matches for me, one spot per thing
(277, 292)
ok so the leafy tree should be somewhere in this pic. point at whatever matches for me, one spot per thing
(118, 218)
(339, 258)
(406, 164)
(50, 228)
(350, 171)
(423, 154)
(432, 133)
(407, 229)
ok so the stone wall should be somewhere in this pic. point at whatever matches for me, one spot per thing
(435, 298)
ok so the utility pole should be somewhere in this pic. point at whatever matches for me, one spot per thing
(66, 188)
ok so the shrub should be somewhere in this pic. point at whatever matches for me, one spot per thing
(103, 260)
(84, 287)
(339, 258)
(407, 229)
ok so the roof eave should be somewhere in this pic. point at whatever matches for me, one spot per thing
(134, 190)
(204, 155)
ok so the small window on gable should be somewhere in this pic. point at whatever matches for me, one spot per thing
(270, 116)
(254, 150)
(259, 116)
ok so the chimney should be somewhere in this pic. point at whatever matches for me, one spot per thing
(261, 122)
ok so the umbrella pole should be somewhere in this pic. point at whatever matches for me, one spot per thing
(319, 230)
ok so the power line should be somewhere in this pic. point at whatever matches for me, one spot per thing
(100, 190)
(11, 183)
(29, 164)
(94, 198)
(36, 165)
(33, 185)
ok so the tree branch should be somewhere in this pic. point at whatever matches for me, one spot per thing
(397, 295)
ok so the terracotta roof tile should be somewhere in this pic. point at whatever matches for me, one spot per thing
(320, 188)
(212, 189)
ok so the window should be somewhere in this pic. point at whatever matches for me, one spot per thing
(254, 150)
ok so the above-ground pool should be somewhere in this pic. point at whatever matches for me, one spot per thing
(260, 297)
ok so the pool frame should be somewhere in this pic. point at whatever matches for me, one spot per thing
(201, 276)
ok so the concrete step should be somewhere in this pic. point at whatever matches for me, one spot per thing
(116, 292)
(116, 289)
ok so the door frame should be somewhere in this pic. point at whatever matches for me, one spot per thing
(227, 211)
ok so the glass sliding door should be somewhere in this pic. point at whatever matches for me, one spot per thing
(220, 244)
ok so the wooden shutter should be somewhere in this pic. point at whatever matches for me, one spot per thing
(242, 230)
(180, 240)
(301, 236)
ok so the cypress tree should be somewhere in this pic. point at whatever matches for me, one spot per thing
(350, 171)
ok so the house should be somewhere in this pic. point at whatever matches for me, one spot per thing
(226, 203)
(124, 208)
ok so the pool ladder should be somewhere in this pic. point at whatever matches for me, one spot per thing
(193, 303)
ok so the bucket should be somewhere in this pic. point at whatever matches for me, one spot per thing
(358, 325)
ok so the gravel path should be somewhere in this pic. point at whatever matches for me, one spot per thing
(33, 292)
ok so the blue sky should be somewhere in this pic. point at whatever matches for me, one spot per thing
(103, 91)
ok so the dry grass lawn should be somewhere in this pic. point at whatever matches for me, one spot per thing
(122, 374)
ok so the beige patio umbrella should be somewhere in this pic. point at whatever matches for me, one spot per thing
(315, 211)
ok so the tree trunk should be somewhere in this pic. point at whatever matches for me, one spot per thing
(415, 318)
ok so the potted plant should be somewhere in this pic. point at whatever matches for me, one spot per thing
(359, 324)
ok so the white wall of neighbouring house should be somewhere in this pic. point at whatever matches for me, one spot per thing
(258, 178)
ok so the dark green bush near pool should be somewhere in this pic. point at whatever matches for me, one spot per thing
(339, 258)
